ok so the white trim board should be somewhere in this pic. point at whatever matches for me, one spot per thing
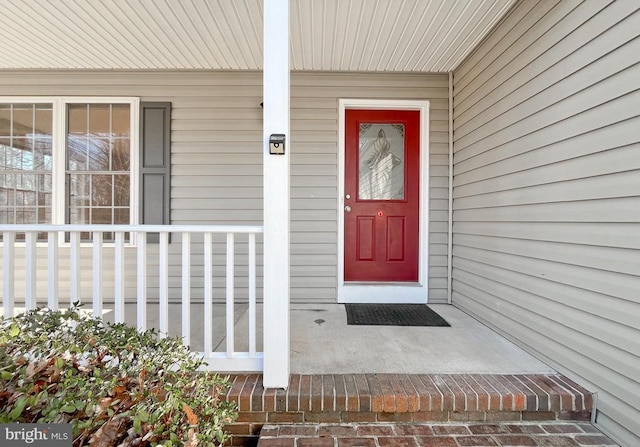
(357, 292)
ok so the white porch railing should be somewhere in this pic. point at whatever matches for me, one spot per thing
(61, 239)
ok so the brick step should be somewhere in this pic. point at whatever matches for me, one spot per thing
(367, 398)
(444, 434)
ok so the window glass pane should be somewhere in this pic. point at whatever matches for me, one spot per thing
(5, 149)
(42, 154)
(99, 154)
(22, 156)
(101, 216)
(80, 216)
(5, 120)
(99, 120)
(44, 216)
(121, 190)
(9, 160)
(101, 190)
(77, 119)
(381, 162)
(44, 190)
(6, 217)
(25, 182)
(121, 216)
(46, 185)
(44, 120)
(22, 120)
(79, 190)
(121, 151)
(77, 153)
(11, 199)
(28, 195)
(26, 216)
(120, 120)
(7, 183)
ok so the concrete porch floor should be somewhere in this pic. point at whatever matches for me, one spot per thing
(323, 343)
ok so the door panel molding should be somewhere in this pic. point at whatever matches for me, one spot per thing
(353, 292)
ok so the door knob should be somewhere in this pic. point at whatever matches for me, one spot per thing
(347, 209)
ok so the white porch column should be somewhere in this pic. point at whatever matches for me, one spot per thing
(276, 195)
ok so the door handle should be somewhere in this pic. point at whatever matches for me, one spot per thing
(347, 209)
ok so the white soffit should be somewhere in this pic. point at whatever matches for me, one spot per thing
(337, 35)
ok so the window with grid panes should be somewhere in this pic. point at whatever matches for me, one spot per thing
(26, 154)
(95, 184)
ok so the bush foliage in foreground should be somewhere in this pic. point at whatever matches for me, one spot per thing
(117, 386)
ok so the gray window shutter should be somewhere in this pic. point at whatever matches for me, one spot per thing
(155, 164)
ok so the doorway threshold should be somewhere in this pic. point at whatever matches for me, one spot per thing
(382, 293)
(382, 283)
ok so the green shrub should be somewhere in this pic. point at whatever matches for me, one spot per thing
(116, 385)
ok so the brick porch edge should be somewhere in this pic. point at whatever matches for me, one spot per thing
(344, 398)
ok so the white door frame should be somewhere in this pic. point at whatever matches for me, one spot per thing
(358, 292)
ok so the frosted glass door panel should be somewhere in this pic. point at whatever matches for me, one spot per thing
(381, 162)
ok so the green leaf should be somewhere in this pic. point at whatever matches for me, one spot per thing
(137, 425)
(20, 404)
(68, 408)
(14, 331)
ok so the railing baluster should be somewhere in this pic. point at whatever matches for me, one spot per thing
(119, 278)
(8, 261)
(52, 267)
(80, 251)
(208, 296)
(75, 266)
(230, 295)
(141, 281)
(252, 295)
(186, 288)
(97, 274)
(164, 283)
(31, 255)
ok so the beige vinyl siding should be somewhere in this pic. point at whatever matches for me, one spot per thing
(547, 193)
(216, 159)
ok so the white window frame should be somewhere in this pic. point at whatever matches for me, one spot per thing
(59, 131)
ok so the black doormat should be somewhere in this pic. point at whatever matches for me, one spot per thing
(393, 315)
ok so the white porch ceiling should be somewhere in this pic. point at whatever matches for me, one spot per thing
(341, 35)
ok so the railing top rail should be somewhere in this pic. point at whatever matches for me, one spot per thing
(136, 228)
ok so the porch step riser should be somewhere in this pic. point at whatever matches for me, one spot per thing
(576, 434)
(363, 398)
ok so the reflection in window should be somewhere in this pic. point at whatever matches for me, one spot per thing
(381, 162)
(98, 163)
(25, 163)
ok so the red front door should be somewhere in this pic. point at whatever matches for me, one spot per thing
(381, 203)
